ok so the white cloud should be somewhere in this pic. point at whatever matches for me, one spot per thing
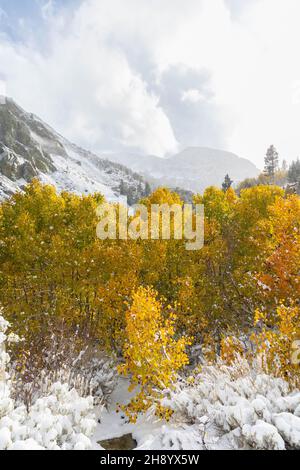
(192, 96)
(47, 9)
(85, 87)
(3, 88)
(104, 79)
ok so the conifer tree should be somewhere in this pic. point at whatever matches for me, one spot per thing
(284, 165)
(227, 183)
(294, 172)
(147, 189)
(271, 162)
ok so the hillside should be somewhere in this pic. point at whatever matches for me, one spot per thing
(30, 148)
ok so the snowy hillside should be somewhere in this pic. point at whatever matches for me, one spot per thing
(30, 148)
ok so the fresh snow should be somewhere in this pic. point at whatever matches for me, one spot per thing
(221, 407)
(76, 170)
(149, 432)
(60, 420)
(114, 424)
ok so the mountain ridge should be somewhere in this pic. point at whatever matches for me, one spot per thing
(194, 168)
(31, 148)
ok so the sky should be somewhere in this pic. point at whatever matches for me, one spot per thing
(156, 76)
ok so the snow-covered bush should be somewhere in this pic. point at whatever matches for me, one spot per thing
(169, 437)
(239, 404)
(6, 404)
(95, 378)
(61, 357)
(60, 420)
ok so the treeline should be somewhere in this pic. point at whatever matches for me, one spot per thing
(283, 175)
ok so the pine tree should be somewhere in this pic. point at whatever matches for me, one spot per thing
(284, 165)
(122, 188)
(294, 172)
(271, 162)
(147, 191)
(227, 183)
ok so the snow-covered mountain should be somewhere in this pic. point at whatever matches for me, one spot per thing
(193, 169)
(30, 148)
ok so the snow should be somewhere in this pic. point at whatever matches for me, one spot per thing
(5, 438)
(242, 406)
(148, 431)
(77, 170)
(222, 407)
(289, 427)
(263, 436)
(81, 172)
(60, 420)
(80, 179)
(114, 424)
(8, 186)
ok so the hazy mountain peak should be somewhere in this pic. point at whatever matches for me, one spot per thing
(194, 168)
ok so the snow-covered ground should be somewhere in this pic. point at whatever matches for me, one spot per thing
(153, 434)
(114, 424)
(149, 432)
(218, 407)
(81, 178)
(224, 407)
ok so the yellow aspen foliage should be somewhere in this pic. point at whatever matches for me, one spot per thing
(189, 307)
(53, 267)
(278, 344)
(162, 196)
(152, 354)
(112, 298)
(282, 266)
(231, 196)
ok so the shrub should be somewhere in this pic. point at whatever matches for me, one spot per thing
(60, 420)
(152, 354)
(236, 406)
(278, 343)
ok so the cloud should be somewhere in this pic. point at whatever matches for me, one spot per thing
(189, 102)
(237, 7)
(192, 96)
(154, 76)
(47, 9)
(85, 87)
(3, 90)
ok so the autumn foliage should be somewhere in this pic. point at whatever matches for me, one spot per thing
(53, 268)
(279, 346)
(152, 354)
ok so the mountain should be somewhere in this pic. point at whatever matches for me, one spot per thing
(193, 169)
(30, 148)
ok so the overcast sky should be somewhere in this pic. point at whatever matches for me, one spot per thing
(155, 76)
